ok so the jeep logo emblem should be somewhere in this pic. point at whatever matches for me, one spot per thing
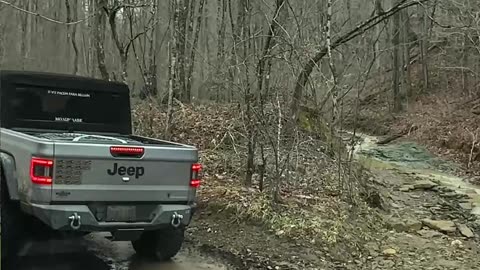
(124, 171)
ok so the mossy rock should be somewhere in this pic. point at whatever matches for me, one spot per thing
(310, 120)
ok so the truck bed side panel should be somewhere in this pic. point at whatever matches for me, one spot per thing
(22, 147)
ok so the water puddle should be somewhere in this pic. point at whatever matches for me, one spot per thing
(411, 158)
(97, 253)
(120, 256)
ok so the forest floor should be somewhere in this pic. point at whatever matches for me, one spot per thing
(429, 223)
(425, 216)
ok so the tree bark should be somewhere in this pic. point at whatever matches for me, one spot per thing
(181, 30)
(193, 51)
(378, 61)
(405, 30)
(99, 37)
(269, 43)
(172, 81)
(221, 26)
(252, 142)
(72, 33)
(397, 66)
(122, 50)
(465, 71)
(424, 46)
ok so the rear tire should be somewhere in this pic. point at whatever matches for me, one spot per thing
(160, 245)
(11, 223)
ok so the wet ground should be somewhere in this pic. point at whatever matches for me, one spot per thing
(411, 158)
(418, 188)
(98, 253)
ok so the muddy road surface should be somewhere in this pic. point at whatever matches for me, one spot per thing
(94, 252)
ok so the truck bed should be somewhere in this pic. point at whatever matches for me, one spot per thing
(86, 169)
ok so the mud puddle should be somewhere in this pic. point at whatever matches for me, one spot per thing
(122, 257)
(94, 252)
(413, 159)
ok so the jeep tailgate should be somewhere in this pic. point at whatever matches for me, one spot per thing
(96, 173)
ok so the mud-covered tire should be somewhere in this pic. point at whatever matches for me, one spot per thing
(160, 245)
(11, 224)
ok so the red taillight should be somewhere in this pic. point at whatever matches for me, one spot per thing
(41, 171)
(195, 180)
(119, 151)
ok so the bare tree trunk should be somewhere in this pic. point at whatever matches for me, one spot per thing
(465, 72)
(122, 49)
(266, 57)
(233, 53)
(263, 75)
(193, 51)
(476, 89)
(88, 42)
(378, 62)
(333, 72)
(24, 47)
(189, 36)
(150, 74)
(397, 68)
(72, 33)
(249, 99)
(278, 172)
(172, 82)
(181, 30)
(206, 45)
(424, 46)
(99, 36)
(221, 25)
(405, 28)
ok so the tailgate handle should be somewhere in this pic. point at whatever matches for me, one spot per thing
(127, 151)
(97, 136)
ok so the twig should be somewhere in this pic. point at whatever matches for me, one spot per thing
(472, 149)
(233, 142)
(44, 17)
(223, 138)
(182, 106)
(221, 141)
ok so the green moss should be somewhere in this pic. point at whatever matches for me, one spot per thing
(312, 122)
(407, 154)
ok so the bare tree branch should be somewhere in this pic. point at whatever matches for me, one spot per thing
(304, 75)
(36, 14)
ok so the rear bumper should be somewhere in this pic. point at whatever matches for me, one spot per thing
(57, 217)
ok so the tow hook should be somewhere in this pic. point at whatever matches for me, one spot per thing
(176, 220)
(75, 222)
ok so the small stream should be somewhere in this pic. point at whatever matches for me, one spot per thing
(411, 158)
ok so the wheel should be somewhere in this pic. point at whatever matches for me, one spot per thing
(11, 224)
(160, 245)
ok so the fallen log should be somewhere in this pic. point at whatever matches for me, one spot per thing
(394, 137)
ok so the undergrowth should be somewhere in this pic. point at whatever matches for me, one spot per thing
(315, 206)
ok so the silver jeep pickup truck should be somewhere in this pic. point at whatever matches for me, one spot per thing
(70, 165)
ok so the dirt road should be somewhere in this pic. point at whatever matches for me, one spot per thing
(98, 253)
(431, 221)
